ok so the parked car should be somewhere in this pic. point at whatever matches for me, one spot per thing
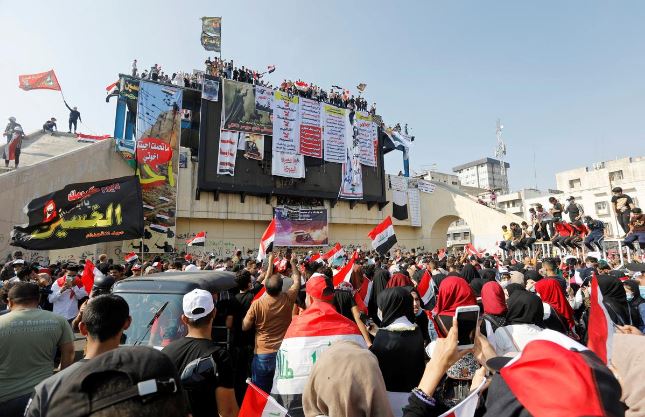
(156, 304)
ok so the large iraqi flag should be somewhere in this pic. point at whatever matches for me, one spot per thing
(266, 242)
(383, 237)
(307, 337)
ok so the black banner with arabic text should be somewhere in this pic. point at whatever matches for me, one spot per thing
(83, 214)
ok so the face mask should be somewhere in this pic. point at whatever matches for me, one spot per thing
(630, 296)
(504, 284)
(641, 289)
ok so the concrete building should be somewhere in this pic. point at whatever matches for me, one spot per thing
(484, 173)
(515, 202)
(436, 176)
(458, 234)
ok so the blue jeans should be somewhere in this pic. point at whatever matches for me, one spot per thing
(263, 369)
(633, 237)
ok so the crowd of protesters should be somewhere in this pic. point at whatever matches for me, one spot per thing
(390, 351)
(570, 235)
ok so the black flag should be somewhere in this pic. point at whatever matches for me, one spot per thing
(83, 214)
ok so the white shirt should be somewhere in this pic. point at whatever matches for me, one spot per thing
(522, 334)
(64, 305)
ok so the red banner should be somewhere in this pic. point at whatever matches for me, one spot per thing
(44, 80)
(153, 151)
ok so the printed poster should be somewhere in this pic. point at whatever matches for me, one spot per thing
(414, 203)
(301, 227)
(228, 141)
(254, 146)
(334, 133)
(426, 186)
(212, 33)
(210, 88)
(351, 186)
(310, 128)
(157, 153)
(285, 165)
(367, 139)
(285, 123)
(247, 108)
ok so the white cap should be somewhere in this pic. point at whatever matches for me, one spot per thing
(191, 268)
(503, 270)
(18, 262)
(197, 304)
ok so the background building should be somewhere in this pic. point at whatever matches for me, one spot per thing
(515, 202)
(484, 173)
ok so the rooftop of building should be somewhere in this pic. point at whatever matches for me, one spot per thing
(483, 161)
(597, 166)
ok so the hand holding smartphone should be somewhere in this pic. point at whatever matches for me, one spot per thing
(467, 319)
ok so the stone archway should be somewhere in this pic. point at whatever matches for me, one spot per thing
(440, 229)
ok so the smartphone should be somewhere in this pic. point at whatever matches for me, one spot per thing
(467, 318)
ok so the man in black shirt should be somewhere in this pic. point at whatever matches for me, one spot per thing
(574, 210)
(215, 393)
(556, 209)
(74, 117)
(623, 205)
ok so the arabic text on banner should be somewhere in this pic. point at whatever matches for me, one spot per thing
(158, 132)
(83, 214)
(367, 135)
(285, 165)
(285, 123)
(334, 134)
(414, 203)
(246, 108)
(426, 186)
(310, 128)
(351, 184)
(398, 183)
(228, 145)
(301, 226)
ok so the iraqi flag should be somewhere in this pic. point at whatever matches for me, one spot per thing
(307, 337)
(345, 273)
(426, 287)
(470, 248)
(198, 240)
(41, 81)
(336, 252)
(82, 137)
(467, 407)
(258, 403)
(301, 85)
(362, 296)
(601, 328)
(317, 257)
(90, 272)
(13, 145)
(383, 237)
(266, 243)
(131, 257)
(260, 293)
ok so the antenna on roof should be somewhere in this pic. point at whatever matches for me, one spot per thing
(500, 151)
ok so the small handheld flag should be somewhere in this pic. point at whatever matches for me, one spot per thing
(383, 237)
(266, 242)
(198, 240)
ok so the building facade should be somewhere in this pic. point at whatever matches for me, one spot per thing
(484, 173)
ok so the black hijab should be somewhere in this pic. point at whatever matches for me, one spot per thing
(524, 307)
(394, 303)
(615, 298)
(512, 287)
(437, 279)
(488, 274)
(477, 284)
(469, 273)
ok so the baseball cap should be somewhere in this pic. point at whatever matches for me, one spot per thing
(602, 264)
(18, 262)
(197, 304)
(558, 372)
(136, 267)
(503, 270)
(318, 287)
(151, 373)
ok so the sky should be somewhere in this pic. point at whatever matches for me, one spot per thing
(567, 79)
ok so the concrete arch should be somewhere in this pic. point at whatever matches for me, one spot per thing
(440, 227)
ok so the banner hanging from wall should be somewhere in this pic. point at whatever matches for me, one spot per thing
(212, 33)
(254, 146)
(83, 214)
(285, 123)
(414, 202)
(367, 139)
(210, 88)
(310, 128)
(334, 134)
(399, 187)
(426, 186)
(157, 154)
(228, 146)
(351, 184)
(247, 108)
(301, 226)
(285, 165)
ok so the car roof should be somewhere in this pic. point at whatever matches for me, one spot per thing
(177, 282)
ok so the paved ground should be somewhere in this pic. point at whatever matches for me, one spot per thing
(37, 147)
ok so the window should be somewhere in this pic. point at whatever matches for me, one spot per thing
(466, 235)
(575, 183)
(602, 208)
(616, 175)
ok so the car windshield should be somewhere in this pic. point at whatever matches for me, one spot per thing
(165, 329)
